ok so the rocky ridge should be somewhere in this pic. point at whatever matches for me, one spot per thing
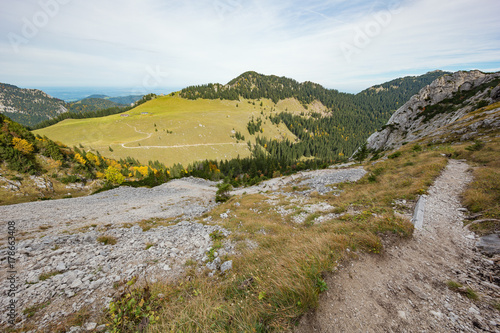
(443, 102)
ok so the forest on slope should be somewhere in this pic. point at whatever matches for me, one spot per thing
(350, 119)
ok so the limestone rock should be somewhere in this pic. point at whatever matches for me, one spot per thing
(407, 123)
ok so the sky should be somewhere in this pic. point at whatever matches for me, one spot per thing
(150, 45)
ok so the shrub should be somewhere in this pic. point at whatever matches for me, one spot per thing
(416, 148)
(22, 145)
(395, 155)
(478, 145)
(114, 176)
(222, 194)
(70, 179)
(134, 310)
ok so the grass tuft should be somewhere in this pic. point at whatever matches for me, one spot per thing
(48, 275)
(107, 240)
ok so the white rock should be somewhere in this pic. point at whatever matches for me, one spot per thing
(473, 310)
(76, 283)
(61, 266)
(437, 314)
(228, 265)
(402, 315)
(90, 326)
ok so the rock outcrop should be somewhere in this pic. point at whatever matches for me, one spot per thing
(443, 102)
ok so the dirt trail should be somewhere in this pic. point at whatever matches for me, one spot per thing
(175, 146)
(404, 289)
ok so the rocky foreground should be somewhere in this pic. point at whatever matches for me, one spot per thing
(73, 253)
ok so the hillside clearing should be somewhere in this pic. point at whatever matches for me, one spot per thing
(172, 130)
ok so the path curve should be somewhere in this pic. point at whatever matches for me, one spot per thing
(404, 289)
(174, 146)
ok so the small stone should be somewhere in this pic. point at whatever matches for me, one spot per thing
(33, 278)
(211, 266)
(217, 262)
(402, 315)
(228, 265)
(90, 326)
(61, 266)
(224, 216)
(437, 314)
(77, 283)
(100, 328)
(473, 310)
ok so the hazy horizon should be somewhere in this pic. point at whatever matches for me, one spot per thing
(340, 44)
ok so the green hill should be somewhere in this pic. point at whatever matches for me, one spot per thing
(172, 130)
(286, 119)
(92, 104)
(32, 107)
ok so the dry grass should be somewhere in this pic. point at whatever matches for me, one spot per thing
(272, 285)
(107, 240)
(155, 222)
(482, 196)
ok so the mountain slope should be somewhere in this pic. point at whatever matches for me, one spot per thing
(299, 121)
(252, 85)
(34, 167)
(443, 102)
(172, 130)
(28, 106)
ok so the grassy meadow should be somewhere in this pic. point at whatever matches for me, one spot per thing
(172, 130)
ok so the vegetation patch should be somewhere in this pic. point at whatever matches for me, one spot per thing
(466, 291)
(134, 310)
(482, 196)
(107, 240)
(32, 310)
(48, 275)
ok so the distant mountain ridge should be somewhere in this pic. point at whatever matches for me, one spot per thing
(28, 106)
(32, 106)
(252, 85)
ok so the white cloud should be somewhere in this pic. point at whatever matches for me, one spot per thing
(114, 44)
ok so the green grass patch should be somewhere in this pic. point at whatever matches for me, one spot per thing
(185, 131)
(107, 240)
(48, 275)
(32, 310)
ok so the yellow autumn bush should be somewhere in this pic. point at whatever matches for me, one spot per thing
(79, 158)
(22, 145)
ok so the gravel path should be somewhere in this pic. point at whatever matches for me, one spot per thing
(404, 289)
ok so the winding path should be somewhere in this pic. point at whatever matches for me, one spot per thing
(174, 146)
(404, 289)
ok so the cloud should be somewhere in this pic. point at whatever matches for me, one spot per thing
(199, 41)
